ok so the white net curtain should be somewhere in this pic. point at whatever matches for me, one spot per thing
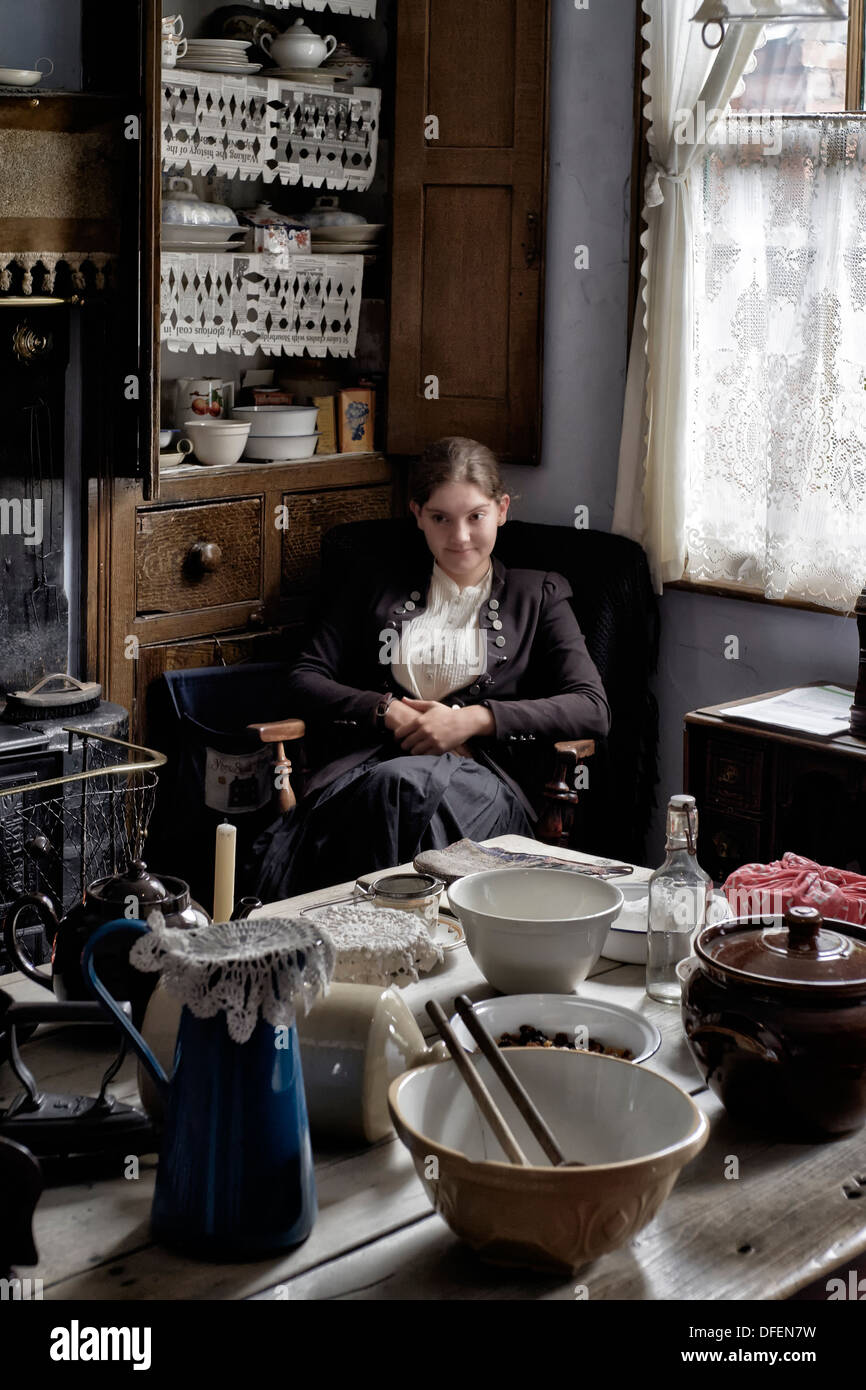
(776, 494)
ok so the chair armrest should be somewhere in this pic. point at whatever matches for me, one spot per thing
(284, 730)
(577, 748)
(554, 827)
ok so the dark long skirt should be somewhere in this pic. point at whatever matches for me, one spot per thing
(380, 814)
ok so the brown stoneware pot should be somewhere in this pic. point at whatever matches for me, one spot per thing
(774, 1011)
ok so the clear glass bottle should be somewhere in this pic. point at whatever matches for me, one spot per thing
(679, 892)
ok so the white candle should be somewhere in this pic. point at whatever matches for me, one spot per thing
(224, 873)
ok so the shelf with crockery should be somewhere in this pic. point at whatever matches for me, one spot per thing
(276, 129)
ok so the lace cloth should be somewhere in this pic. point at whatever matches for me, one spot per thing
(267, 967)
(378, 945)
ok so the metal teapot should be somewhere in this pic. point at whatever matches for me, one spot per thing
(132, 894)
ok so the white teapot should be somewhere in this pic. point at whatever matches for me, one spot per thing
(298, 47)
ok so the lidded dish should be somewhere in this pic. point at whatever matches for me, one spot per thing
(326, 212)
(774, 1011)
(183, 208)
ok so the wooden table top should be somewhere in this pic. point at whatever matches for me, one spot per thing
(784, 1222)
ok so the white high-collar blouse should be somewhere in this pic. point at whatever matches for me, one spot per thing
(444, 648)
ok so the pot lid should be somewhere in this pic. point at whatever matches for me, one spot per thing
(136, 882)
(799, 950)
(300, 28)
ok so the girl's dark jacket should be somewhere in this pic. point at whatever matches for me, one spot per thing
(540, 684)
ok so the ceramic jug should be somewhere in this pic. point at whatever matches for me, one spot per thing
(353, 1045)
(235, 1177)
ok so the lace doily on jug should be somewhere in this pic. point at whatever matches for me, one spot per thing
(378, 945)
(269, 967)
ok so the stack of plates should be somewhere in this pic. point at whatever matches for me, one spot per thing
(180, 238)
(360, 239)
(218, 55)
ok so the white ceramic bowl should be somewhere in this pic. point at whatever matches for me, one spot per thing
(20, 77)
(534, 930)
(282, 447)
(217, 424)
(633, 1129)
(214, 444)
(627, 940)
(610, 1024)
(271, 420)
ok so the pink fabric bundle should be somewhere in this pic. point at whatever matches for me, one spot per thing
(758, 890)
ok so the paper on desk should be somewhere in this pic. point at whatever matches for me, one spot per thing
(822, 710)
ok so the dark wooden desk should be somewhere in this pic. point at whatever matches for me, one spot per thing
(762, 792)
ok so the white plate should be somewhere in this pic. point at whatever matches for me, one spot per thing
(311, 77)
(226, 44)
(342, 248)
(229, 68)
(351, 231)
(612, 1025)
(447, 933)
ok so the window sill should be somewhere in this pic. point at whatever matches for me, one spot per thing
(743, 592)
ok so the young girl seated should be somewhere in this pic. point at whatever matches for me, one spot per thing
(426, 685)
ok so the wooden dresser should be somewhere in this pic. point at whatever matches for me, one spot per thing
(191, 566)
(762, 792)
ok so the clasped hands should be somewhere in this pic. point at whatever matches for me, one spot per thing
(428, 726)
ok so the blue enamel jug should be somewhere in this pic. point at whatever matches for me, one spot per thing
(235, 1177)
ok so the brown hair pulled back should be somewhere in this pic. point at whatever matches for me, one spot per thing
(455, 460)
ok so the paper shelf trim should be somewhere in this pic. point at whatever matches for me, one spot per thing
(226, 303)
(252, 127)
(361, 9)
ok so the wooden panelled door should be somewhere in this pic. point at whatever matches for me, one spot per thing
(469, 189)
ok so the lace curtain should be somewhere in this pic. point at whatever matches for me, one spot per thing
(683, 78)
(776, 494)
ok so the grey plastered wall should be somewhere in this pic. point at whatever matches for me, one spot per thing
(586, 318)
(38, 29)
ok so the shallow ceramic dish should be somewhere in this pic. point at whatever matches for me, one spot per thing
(633, 1129)
(282, 447)
(627, 941)
(538, 930)
(355, 232)
(610, 1024)
(20, 77)
(271, 420)
(308, 77)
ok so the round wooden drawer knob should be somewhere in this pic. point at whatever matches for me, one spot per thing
(205, 556)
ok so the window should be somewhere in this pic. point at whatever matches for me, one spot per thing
(804, 67)
(776, 496)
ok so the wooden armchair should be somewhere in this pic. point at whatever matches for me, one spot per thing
(560, 794)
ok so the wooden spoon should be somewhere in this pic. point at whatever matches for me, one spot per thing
(482, 1096)
(513, 1085)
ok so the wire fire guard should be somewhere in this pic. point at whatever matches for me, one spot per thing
(59, 835)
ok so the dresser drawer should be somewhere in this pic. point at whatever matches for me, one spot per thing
(734, 775)
(726, 842)
(310, 515)
(198, 556)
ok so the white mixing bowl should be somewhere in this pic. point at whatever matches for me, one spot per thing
(536, 931)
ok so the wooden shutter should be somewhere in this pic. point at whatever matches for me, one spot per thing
(469, 224)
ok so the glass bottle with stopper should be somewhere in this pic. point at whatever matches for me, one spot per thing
(679, 892)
